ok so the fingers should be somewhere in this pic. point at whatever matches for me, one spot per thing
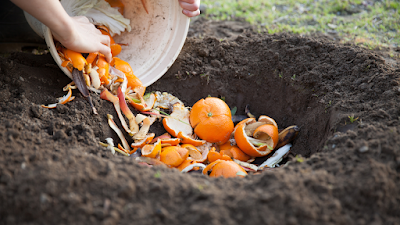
(106, 51)
(191, 13)
(105, 40)
(190, 7)
(193, 6)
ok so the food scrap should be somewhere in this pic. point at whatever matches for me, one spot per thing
(200, 138)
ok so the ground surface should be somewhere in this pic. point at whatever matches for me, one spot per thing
(345, 98)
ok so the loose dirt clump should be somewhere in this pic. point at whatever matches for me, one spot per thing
(343, 166)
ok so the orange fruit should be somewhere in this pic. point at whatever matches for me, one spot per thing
(225, 168)
(256, 138)
(211, 120)
(173, 156)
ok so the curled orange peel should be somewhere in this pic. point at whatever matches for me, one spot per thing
(257, 138)
(152, 150)
(213, 155)
(186, 139)
(194, 153)
(167, 140)
(140, 143)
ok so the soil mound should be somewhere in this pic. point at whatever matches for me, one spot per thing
(343, 168)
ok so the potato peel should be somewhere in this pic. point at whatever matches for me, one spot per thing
(114, 126)
(62, 100)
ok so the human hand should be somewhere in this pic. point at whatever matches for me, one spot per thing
(191, 8)
(84, 37)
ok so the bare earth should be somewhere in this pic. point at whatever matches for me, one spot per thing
(53, 171)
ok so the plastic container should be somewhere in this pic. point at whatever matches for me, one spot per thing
(153, 44)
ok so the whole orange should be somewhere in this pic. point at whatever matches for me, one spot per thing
(211, 120)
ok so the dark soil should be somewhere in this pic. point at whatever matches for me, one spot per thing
(53, 171)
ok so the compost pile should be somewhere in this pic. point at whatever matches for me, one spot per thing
(343, 166)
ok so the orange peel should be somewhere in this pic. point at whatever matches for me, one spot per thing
(224, 168)
(257, 138)
(178, 121)
(76, 58)
(194, 153)
(213, 156)
(133, 82)
(204, 149)
(188, 139)
(152, 150)
(173, 156)
(140, 143)
(189, 165)
(149, 101)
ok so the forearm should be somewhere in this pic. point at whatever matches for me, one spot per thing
(49, 12)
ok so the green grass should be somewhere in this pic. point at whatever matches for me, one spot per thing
(373, 23)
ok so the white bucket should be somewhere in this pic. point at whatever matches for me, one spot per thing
(153, 43)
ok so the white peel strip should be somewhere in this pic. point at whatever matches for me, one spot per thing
(190, 167)
(118, 131)
(276, 157)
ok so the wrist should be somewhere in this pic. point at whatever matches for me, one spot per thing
(65, 32)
